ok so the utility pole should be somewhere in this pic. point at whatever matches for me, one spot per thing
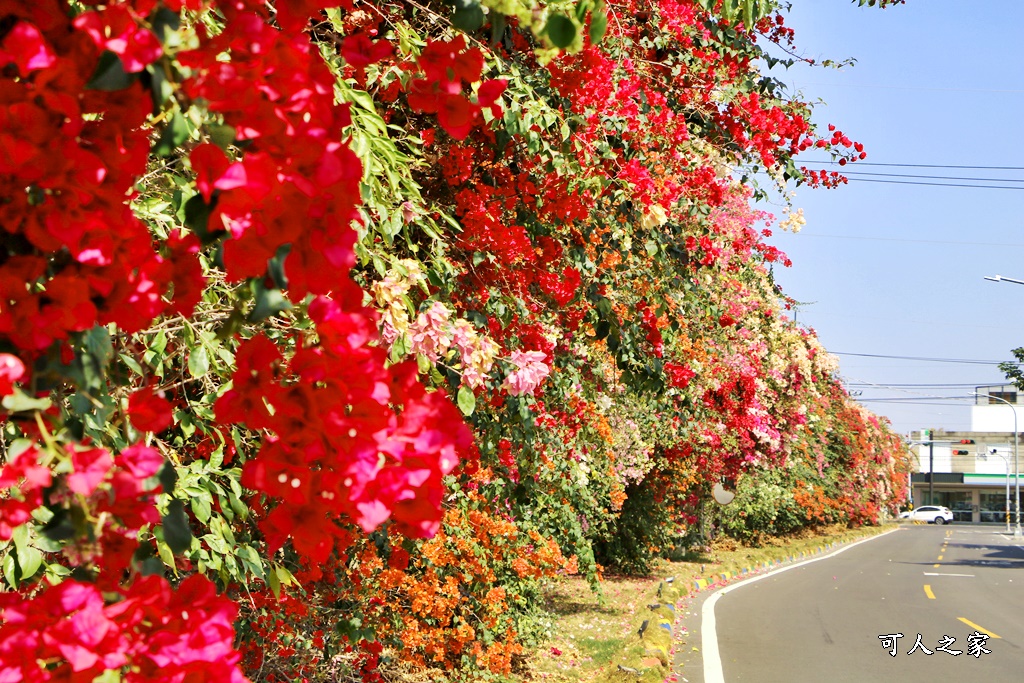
(931, 470)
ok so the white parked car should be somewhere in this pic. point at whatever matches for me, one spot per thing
(933, 514)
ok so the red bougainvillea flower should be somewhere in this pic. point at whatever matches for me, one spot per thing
(560, 287)
(11, 371)
(360, 52)
(70, 632)
(186, 273)
(115, 29)
(489, 95)
(22, 481)
(26, 47)
(448, 66)
(149, 411)
(679, 375)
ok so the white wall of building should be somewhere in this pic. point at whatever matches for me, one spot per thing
(995, 463)
(943, 458)
(996, 418)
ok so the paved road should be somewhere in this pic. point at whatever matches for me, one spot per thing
(822, 621)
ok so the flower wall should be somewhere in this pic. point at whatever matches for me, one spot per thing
(330, 332)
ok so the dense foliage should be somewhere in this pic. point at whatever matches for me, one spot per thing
(330, 331)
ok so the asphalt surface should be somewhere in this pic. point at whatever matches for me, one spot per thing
(821, 621)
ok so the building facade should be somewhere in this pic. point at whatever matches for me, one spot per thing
(974, 473)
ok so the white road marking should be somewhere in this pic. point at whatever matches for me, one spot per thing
(708, 635)
(941, 574)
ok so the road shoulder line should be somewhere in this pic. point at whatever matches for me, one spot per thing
(708, 633)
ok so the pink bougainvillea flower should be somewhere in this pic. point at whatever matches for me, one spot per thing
(142, 461)
(531, 371)
(91, 466)
(11, 371)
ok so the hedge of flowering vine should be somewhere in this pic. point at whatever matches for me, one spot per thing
(330, 331)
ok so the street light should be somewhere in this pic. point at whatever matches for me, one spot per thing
(1016, 461)
(984, 456)
(1000, 278)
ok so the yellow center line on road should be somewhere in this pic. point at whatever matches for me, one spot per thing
(979, 628)
(928, 592)
(940, 557)
(936, 564)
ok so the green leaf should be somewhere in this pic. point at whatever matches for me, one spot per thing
(198, 362)
(109, 676)
(275, 266)
(197, 218)
(598, 24)
(132, 364)
(20, 537)
(61, 526)
(10, 570)
(238, 506)
(466, 400)
(728, 10)
(29, 559)
(175, 132)
(97, 343)
(160, 89)
(19, 402)
(275, 583)
(285, 576)
(168, 477)
(561, 30)
(201, 508)
(581, 9)
(151, 566)
(177, 533)
(469, 18)
(269, 302)
(165, 22)
(110, 74)
(222, 136)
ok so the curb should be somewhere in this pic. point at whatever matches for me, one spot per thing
(725, 577)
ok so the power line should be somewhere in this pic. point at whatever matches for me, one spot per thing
(904, 87)
(935, 177)
(915, 386)
(878, 163)
(912, 182)
(915, 399)
(912, 403)
(925, 359)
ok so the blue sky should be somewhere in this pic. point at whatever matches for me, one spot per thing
(898, 270)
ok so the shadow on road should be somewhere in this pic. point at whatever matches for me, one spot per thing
(1005, 557)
